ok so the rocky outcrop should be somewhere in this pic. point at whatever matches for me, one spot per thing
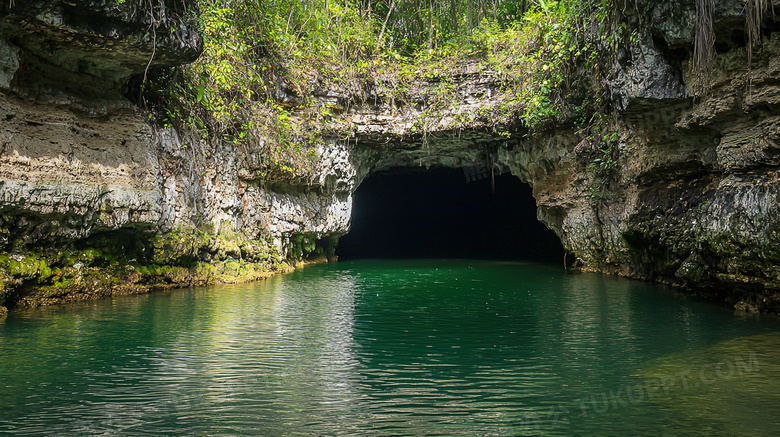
(94, 201)
(83, 52)
(692, 200)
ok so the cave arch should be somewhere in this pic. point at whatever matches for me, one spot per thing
(414, 212)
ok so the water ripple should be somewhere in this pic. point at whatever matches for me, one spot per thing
(381, 348)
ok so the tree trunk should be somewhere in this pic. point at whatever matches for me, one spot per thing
(420, 23)
(384, 25)
(470, 14)
(430, 25)
(454, 14)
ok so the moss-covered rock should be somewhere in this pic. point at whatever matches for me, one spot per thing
(311, 249)
(128, 263)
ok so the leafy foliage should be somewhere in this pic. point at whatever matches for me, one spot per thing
(264, 60)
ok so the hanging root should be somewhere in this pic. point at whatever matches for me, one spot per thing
(704, 48)
(754, 10)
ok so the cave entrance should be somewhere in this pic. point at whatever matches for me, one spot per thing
(446, 213)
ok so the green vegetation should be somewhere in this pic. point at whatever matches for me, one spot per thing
(603, 167)
(263, 62)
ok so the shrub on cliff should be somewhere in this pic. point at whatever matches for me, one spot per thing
(263, 61)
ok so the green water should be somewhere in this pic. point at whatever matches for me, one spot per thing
(385, 348)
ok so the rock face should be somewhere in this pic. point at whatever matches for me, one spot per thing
(94, 201)
(693, 198)
(82, 52)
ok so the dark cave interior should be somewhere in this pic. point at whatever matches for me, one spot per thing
(446, 213)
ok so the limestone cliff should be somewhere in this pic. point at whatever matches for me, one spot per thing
(97, 201)
(693, 202)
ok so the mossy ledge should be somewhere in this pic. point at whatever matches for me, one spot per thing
(131, 261)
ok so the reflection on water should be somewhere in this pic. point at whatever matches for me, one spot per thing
(393, 348)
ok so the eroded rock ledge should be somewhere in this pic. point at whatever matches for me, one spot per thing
(82, 52)
(94, 201)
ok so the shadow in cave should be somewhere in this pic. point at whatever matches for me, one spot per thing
(438, 213)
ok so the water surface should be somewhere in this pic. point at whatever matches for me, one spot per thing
(394, 348)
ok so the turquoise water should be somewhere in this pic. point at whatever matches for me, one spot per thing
(473, 348)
